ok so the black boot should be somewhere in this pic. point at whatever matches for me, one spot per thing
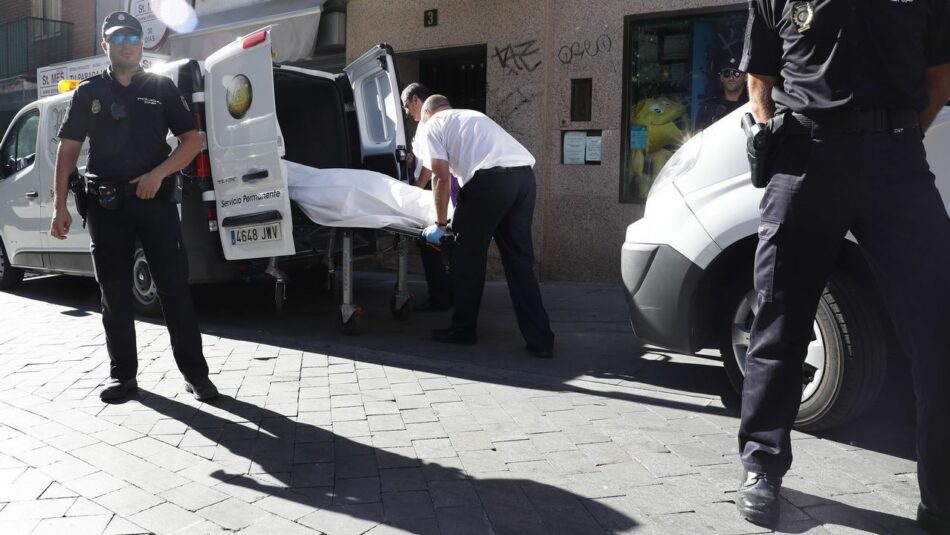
(758, 498)
(202, 390)
(116, 389)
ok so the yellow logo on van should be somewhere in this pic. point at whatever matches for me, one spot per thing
(96, 106)
(239, 96)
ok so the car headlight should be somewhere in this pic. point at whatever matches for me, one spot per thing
(679, 164)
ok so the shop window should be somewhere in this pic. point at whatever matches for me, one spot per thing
(679, 75)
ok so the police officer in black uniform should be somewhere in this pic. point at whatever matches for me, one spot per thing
(733, 82)
(857, 82)
(126, 114)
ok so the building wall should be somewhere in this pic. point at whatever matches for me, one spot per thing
(579, 222)
(14, 9)
(84, 39)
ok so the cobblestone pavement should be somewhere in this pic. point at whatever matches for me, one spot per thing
(351, 439)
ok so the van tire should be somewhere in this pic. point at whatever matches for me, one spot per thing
(855, 358)
(10, 277)
(144, 291)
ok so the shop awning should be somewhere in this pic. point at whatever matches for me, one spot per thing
(295, 25)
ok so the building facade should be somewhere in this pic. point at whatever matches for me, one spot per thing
(602, 92)
(35, 33)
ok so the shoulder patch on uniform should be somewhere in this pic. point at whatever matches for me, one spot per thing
(96, 106)
(184, 103)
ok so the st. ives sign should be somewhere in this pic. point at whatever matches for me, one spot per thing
(154, 31)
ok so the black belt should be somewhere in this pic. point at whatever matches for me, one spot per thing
(113, 189)
(853, 121)
(494, 170)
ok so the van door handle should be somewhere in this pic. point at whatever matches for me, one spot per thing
(32, 194)
(255, 175)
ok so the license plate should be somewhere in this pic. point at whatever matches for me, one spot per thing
(255, 234)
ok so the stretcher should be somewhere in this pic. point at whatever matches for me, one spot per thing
(346, 200)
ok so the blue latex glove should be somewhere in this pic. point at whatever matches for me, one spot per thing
(433, 234)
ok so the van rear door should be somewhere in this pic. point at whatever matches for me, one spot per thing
(379, 112)
(253, 202)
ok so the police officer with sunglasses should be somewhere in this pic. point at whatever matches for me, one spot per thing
(850, 88)
(733, 95)
(126, 114)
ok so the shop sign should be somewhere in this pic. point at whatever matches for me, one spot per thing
(154, 31)
(48, 78)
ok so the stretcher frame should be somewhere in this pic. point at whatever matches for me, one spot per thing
(349, 314)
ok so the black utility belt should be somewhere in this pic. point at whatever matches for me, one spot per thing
(852, 121)
(110, 194)
(494, 170)
(106, 189)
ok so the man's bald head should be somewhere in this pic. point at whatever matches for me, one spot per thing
(434, 104)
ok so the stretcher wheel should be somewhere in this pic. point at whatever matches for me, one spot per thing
(402, 313)
(352, 326)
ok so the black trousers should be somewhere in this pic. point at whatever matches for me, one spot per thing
(114, 233)
(438, 278)
(878, 186)
(499, 205)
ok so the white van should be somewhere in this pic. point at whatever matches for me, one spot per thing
(687, 269)
(236, 212)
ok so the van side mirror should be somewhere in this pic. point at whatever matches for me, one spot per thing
(25, 161)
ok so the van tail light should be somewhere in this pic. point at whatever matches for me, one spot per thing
(203, 165)
(255, 39)
(212, 219)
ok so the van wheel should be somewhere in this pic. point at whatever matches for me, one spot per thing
(846, 360)
(10, 277)
(143, 287)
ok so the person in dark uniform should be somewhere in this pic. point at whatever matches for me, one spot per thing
(857, 83)
(496, 201)
(126, 113)
(438, 278)
(733, 95)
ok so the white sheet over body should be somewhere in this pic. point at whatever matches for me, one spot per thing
(358, 199)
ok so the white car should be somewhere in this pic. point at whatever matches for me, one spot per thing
(236, 213)
(687, 269)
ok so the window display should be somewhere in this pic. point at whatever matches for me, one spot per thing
(682, 76)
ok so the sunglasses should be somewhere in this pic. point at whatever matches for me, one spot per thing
(119, 39)
(727, 73)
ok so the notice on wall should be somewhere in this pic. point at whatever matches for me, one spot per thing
(575, 146)
(581, 147)
(592, 149)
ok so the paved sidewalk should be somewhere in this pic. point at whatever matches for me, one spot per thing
(356, 438)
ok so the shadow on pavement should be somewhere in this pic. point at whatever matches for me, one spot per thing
(594, 342)
(313, 467)
(855, 519)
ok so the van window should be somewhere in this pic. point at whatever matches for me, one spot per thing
(21, 143)
(380, 105)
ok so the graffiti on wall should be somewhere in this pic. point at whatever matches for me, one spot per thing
(578, 49)
(514, 109)
(520, 57)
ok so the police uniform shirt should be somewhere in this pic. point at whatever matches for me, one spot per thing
(831, 54)
(470, 141)
(716, 108)
(122, 149)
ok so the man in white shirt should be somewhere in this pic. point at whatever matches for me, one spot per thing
(496, 201)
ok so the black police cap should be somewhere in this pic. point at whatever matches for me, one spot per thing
(119, 20)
